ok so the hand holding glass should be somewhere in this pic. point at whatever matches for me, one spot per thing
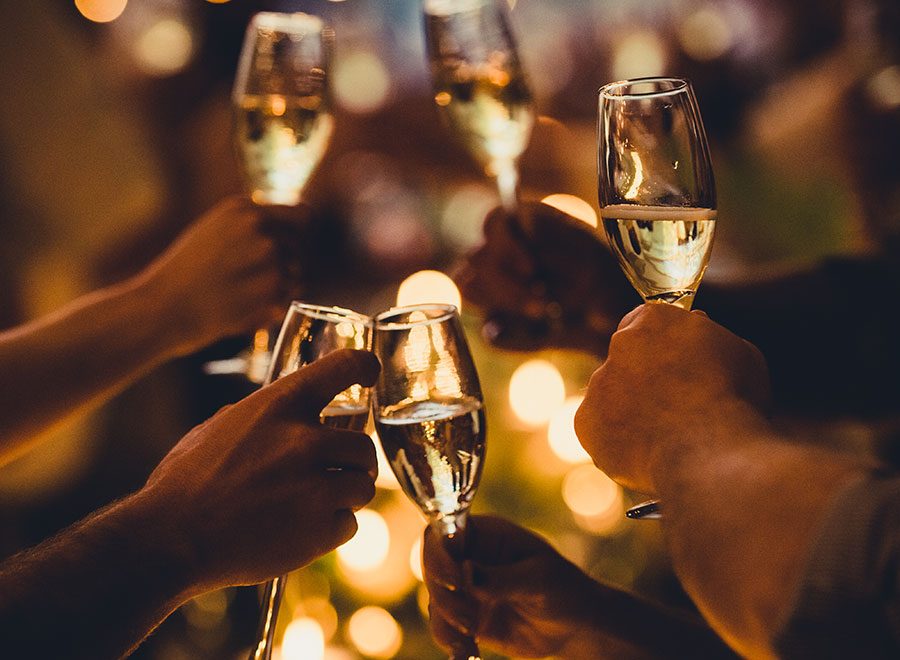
(656, 191)
(308, 333)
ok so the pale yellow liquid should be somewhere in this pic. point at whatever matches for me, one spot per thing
(280, 141)
(436, 451)
(663, 251)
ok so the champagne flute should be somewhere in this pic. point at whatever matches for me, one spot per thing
(429, 414)
(656, 191)
(308, 333)
(479, 85)
(282, 123)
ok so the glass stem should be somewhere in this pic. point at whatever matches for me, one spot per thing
(508, 186)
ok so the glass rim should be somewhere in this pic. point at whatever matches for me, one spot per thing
(332, 314)
(679, 85)
(296, 22)
(448, 311)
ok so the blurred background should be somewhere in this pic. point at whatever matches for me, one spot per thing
(115, 134)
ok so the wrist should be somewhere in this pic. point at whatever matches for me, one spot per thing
(164, 314)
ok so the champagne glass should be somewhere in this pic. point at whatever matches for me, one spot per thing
(308, 333)
(479, 85)
(282, 123)
(657, 193)
(429, 414)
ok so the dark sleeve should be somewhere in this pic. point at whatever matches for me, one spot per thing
(830, 334)
(848, 603)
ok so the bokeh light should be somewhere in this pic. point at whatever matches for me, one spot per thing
(593, 498)
(322, 611)
(415, 559)
(884, 87)
(574, 206)
(536, 392)
(375, 632)
(464, 212)
(561, 433)
(706, 34)
(638, 54)
(361, 82)
(303, 640)
(369, 546)
(385, 478)
(428, 286)
(101, 11)
(164, 48)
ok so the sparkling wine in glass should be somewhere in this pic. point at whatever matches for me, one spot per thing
(656, 191)
(282, 124)
(308, 333)
(429, 413)
(479, 85)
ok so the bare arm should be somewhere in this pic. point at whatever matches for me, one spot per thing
(105, 583)
(219, 278)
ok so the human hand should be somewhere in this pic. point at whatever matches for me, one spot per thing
(264, 471)
(229, 272)
(672, 379)
(554, 285)
(513, 592)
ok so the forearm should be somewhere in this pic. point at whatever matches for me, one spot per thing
(100, 586)
(623, 625)
(742, 511)
(828, 332)
(78, 356)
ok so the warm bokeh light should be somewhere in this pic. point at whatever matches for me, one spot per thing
(536, 392)
(208, 610)
(369, 546)
(884, 87)
(415, 559)
(386, 478)
(164, 48)
(706, 34)
(574, 206)
(101, 11)
(594, 499)
(303, 640)
(361, 82)
(428, 286)
(561, 433)
(464, 212)
(322, 611)
(638, 54)
(375, 632)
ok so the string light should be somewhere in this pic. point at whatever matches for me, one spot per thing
(561, 433)
(303, 640)
(594, 499)
(369, 546)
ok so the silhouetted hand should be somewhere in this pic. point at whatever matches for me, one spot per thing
(667, 372)
(545, 280)
(264, 471)
(516, 594)
(232, 270)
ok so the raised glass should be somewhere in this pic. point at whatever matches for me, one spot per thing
(656, 191)
(429, 413)
(308, 333)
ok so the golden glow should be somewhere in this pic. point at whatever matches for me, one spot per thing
(638, 54)
(536, 392)
(884, 87)
(369, 546)
(594, 499)
(574, 206)
(443, 98)
(361, 82)
(385, 478)
(101, 11)
(279, 105)
(561, 433)
(303, 640)
(217, 2)
(638, 179)
(428, 286)
(706, 34)
(415, 559)
(464, 212)
(208, 610)
(375, 632)
(164, 48)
